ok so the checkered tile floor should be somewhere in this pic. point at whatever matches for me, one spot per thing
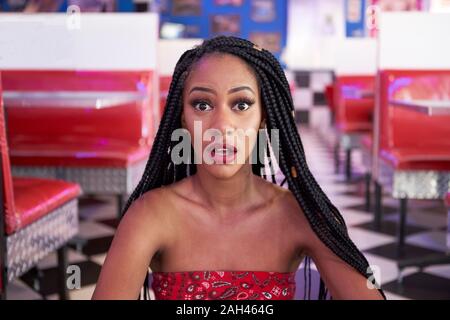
(426, 233)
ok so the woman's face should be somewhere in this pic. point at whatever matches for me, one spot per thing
(222, 112)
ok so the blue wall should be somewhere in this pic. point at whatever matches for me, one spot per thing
(209, 8)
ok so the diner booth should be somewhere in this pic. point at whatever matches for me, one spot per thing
(81, 108)
(78, 117)
(411, 145)
(353, 97)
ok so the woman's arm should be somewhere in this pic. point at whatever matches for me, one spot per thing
(141, 233)
(342, 280)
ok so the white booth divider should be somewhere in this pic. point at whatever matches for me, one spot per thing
(356, 56)
(411, 41)
(414, 40)
(106, 41)
(169, 51)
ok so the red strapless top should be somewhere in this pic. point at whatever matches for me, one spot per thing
(224, 285)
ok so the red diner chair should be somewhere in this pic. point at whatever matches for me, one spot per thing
(413, 154)
(353, 105)
(329, 96)
(103, 149)
(38, 216)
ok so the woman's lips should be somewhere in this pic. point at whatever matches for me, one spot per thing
(223, 154)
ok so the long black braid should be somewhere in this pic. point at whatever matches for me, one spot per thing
(323, 216)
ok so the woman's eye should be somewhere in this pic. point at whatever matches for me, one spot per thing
(202, 106)
(242, 105)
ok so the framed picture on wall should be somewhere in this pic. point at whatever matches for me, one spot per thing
(229, 24)
(32, 6)
(94, 5)
(186, 7)
(268, 40)
(399, 5)
(263, 10)
(192, 31)
(354, 11)
(164, 7)
(235, 3)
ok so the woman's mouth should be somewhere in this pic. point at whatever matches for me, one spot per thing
(222, 154)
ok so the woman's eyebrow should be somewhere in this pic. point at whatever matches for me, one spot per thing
(240, 88)
(232, 90)
(202, 89)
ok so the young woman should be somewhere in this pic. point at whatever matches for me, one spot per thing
(218, 229)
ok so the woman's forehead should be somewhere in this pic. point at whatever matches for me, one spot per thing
(225, 69)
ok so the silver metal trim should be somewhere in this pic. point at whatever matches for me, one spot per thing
(366, 157)
(414, 184)
(92, 180)
(31, 244)
(71, 99)
(349, 141)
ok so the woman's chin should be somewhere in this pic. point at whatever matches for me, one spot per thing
(223, 171)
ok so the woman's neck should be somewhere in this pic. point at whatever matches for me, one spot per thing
(223, 196)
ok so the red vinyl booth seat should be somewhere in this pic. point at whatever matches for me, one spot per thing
(410, 140)
(164, 85)
(34, 198)
(25, 200)
(115, 136)
(38, 152)
(329, 94)
(353, 112)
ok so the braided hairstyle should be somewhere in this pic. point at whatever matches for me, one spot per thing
(323, 216)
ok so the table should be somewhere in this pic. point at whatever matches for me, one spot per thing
(428, 107)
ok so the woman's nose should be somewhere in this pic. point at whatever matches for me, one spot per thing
(223, 120)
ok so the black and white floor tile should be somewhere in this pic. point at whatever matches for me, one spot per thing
(426, 234)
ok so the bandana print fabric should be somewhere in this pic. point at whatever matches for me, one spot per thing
(224, 285)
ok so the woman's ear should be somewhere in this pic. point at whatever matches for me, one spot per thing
(263, 123)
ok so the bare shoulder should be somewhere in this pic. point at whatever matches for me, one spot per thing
(142, 232)
(149, 205)
(149, 216)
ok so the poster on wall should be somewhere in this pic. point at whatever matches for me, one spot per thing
(263, 10)
(268, 40)
(163, 6)
(328, 25)
(94, 5)
(235, 3)
(192, 31)
(354, 18)
(377, 6)
(228, 24)
(186, 7)
(398, 5)
(31, 6)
